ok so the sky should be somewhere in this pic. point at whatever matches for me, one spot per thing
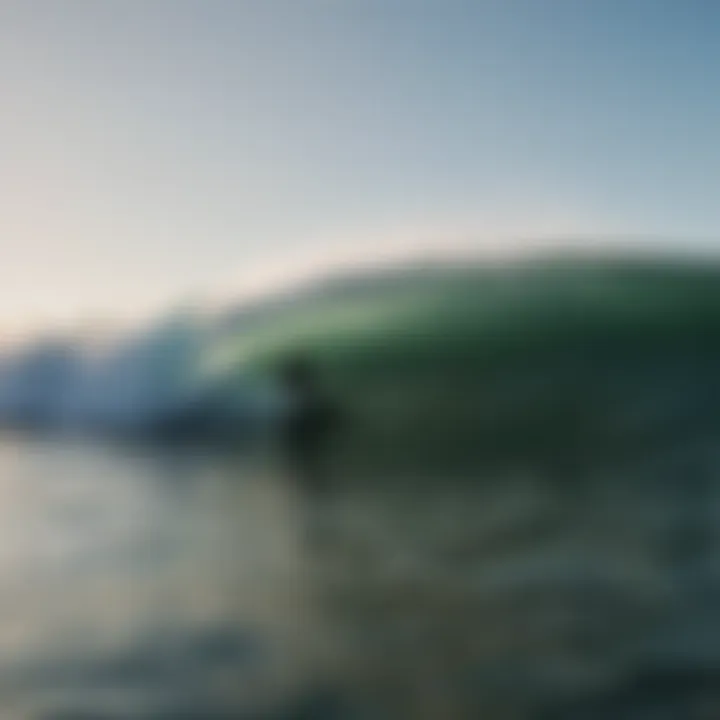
(162, 151)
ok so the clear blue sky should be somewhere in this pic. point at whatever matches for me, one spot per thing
(152, 149)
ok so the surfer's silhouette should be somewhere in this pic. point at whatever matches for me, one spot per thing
(307, 426)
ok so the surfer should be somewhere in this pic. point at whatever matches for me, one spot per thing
(307, 425)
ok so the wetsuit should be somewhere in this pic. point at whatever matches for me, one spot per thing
(305, 436)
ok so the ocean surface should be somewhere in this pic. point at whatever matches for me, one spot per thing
(148, 583)
(141, 583)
